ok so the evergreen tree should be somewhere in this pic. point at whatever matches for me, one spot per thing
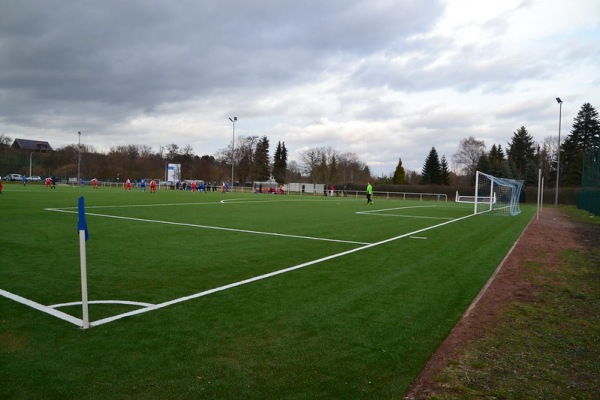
(431, 173)
(531, 173)
(280, 163)
(333, 170)
(483, 165)
(399, 174)
(493, 154)
(500, 154)
(583, 140)
(521, 150)
(444, 172)
(586, 130)
(261, 159)
(497, 164)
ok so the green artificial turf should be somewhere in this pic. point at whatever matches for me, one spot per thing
(359, 320)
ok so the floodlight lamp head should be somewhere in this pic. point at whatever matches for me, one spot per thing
(233, 120)
(558, 100)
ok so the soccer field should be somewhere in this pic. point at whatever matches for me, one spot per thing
(211, 295)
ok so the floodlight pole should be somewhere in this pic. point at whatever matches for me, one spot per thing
(78, 157)
(558, 152)
(232, 149)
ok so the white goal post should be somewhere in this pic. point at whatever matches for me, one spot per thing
(499, 196)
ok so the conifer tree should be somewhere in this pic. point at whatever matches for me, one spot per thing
(583, 140)
(261, 159)
(431, 175)
(521, 150)
(399, 174)
(280, 163)
(444, 171)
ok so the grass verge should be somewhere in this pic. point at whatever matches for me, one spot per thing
(544, 346)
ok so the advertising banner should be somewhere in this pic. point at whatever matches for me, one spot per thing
(173, 172)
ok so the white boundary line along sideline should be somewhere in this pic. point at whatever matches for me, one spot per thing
(41, 307)
(77, 321)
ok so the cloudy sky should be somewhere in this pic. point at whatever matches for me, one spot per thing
(384, 79)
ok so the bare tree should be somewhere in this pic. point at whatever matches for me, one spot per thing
(310, 160)
(5, 140)
(187, 151)
(468, 154)
(172, 151)
(351, 170)
(293, 172)
(548, 156)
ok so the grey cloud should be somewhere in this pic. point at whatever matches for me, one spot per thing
(469, 68)
(151, 52)
(140, 67)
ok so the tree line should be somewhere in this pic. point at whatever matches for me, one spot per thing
(520, 159)
(250, 156)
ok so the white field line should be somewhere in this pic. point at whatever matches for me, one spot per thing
(378, 213)
(217, 203)
(270, 274)
(79, 322)
(51, 310)
(125, 302)
(210, 227)
(135, 206)
(403, 216)
(43, 308)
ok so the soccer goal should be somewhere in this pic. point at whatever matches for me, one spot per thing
(499, 196)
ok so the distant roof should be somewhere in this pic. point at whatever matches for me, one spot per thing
(27, 144)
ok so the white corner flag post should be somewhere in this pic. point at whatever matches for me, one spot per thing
(83, 237)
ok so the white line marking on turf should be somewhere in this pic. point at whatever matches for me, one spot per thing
(417, 237)
(270, 274)
(405, 216)
(210, 227)
(125, 302)
(41, 307)
(217, 203)
(79, 322)
(242, 200)
(136, 205)
(379, 213)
